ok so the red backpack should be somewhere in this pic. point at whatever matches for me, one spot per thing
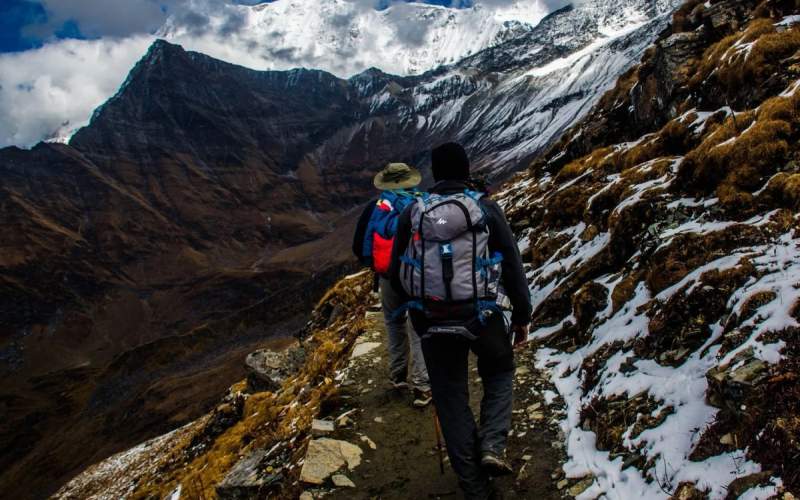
(382, 227)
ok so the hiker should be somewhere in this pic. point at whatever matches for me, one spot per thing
(452, 250)
(372, 244)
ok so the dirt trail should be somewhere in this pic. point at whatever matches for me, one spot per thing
(404, 463)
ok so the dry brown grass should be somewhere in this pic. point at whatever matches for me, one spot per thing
(269, 417)
(624, 290)
(733, 67)
(601, 159)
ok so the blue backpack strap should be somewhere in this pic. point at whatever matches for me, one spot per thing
(411, 304)
(484, 264)
(411, 262)
(475, 195)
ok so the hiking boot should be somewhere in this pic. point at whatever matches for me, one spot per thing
(495, 465)
(422, 398)
(398, 386)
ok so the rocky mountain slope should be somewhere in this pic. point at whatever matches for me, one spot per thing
(662, 239)
(202, 188)
(662, 247)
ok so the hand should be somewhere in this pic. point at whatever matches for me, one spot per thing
(519, 334)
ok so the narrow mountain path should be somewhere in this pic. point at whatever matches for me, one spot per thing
(400, 459)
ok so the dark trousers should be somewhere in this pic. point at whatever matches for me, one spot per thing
(446, 357)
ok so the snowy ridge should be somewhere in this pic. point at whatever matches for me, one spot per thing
(510, 101)
(344, 38)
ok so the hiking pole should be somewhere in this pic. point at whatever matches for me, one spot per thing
(438, 429)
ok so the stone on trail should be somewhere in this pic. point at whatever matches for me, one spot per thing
(342, 481)
(321, 427)
(369, 442)
(326, 456)
(344, 419)
(364, 348)
(581, 486)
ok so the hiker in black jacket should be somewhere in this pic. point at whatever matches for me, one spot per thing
(476, 453)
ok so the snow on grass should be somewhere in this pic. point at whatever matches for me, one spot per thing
(116, 474)
(692, 203)
(560, 264)
(788, 21)
(679, 390)
(639, 190)
(779, 269)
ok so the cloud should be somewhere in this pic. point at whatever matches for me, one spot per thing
(51, 91)
(99, 18)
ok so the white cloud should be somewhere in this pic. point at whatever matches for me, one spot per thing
(49, 92)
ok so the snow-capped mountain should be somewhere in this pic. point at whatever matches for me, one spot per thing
(508, 102)
(345, 37)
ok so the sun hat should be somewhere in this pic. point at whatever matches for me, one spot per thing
(397, 176)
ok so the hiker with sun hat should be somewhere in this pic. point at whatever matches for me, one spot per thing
(372, 244)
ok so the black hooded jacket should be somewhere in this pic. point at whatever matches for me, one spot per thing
(501, 239)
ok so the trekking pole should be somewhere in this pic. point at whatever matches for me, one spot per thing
(438, 429)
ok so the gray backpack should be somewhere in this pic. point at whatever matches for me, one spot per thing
(447, 268)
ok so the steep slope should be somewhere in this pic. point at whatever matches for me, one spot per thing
(664, 269)
(202, 188)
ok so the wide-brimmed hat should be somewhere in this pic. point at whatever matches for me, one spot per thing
(397, 176)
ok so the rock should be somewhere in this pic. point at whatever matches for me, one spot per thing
(688, 491)
(523, 474)
(537, 415)
(729, 385)
(342, 481)
(727, 439)
(522, 370)
(369, 442)
(589, 233)
(738, 486)
(321, 427)
(267, 370)
(246, 479)
(344, 419)
(378, 420)
(581, 486)
(562, 484)
(364, 348)
(526, 458)
(326, 456)
(306, 496)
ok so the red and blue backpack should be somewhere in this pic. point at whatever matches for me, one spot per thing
(382, 227)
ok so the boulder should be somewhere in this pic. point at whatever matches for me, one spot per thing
(326, 456)
(268, 369)
(248, 478)
(730, 384)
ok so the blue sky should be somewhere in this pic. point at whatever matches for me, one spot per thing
(27, 24)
